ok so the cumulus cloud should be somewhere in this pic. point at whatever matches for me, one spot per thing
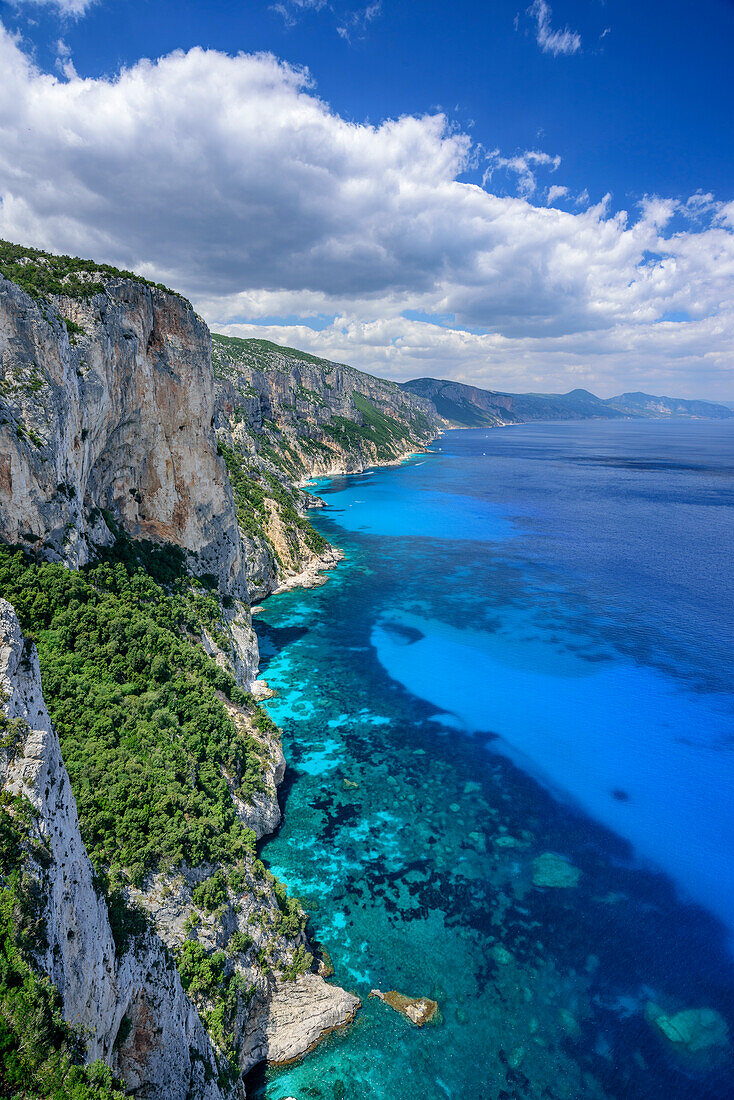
(230, 179)
(550, 41)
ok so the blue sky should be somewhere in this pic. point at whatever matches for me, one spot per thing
(521, 196)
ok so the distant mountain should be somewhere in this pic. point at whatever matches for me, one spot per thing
(645, 404)
(463, 406)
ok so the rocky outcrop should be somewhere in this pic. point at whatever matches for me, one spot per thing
(297, 1015)
(131, 1007)
(419, 1010)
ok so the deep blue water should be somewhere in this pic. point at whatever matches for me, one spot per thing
(527, 651)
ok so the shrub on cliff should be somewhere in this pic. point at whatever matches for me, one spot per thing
(146, 738)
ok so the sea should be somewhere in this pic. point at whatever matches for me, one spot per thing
(509, 723)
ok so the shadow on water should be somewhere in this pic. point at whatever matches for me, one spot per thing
(274, 639)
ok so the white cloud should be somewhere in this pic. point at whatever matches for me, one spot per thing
(550, 41)
(70, 8)
(524, 165)
(228, 178)
(555, 192)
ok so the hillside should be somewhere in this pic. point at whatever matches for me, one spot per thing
(463, 406)
(283, 416)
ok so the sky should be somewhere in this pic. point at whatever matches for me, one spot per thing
(521, 196)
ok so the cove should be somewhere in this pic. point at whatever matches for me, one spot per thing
(525, 653)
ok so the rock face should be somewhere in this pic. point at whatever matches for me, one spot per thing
(107, 429)
(319, 418)
(284, 416)
(166, 1051)
(297, 1015)
(119, 419)
(116, 416)
(325, 417)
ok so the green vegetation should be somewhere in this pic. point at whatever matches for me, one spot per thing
(239, 942)
(209, 981)
(249, 493)
(212, 892)
(302, 960)
(43, 275)
(261, 351)
(40, 1054)
(251, 489)
(291, 919)
(385, 433)
(138, 708)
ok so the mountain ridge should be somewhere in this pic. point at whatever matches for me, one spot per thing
(465, 406)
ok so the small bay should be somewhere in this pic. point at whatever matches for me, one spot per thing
(508, 719)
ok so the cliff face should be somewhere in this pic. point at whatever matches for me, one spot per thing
(107, 437)
(112, 416)
(162, 1043)
(318, 417)
(117, 416)
(283, 416)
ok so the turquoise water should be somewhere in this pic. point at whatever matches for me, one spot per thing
(527, 651)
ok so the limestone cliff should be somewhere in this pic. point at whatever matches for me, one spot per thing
(284, 416)
(314, 417)
(130, 1005)
(106, 414)
(108, 450)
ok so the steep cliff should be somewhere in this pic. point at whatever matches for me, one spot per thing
(127, 1006)
(284, 416)
(314, 417)
(106, 410)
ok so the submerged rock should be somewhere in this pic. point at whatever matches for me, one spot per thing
(550, 869)
(692, 1029)
(501, 955)
(419, 1010)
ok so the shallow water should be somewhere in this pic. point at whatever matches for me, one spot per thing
(526, 651)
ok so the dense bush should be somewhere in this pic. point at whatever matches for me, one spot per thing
(252, 490)
(212, 892)
(137, 707)
(42, 274)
